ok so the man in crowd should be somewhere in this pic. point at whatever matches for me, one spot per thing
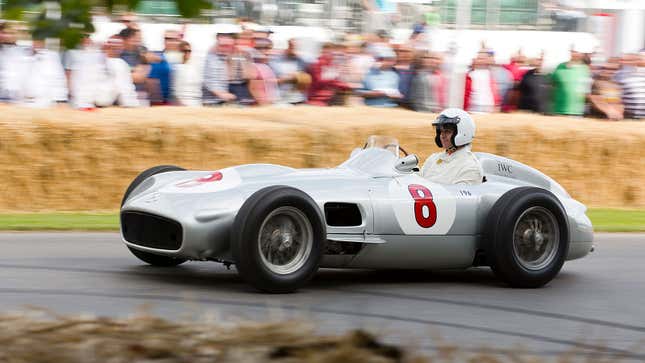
(263, 83)
(403, 68)
(605, 98)
(325, 78)
(44, 83)
(240, 65)
(381, 84)
(12, 64)
(533, 87)
(139, 59)
(481, 93)
(120, 88)
(106, 82)
(216, 73)
(633, 85)
(292, 77)
(429, 87)
(571, 82)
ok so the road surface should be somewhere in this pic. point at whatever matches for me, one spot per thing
(596, 304)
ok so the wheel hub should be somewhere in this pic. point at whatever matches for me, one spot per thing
(536, 238)
(285, 240)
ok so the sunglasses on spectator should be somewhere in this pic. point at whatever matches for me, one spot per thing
(187, 50)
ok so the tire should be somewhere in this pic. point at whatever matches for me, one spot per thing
(151, 258)
(145, 175)
(526, 239)
(278, 239)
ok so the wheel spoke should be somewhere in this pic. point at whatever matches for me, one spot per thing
(285, 240)
(535, 238)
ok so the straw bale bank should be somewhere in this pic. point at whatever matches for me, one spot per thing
(63, 159)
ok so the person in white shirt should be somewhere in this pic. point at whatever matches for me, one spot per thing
(187, 79)
(116, 86)
(44, 81)
(455, 130)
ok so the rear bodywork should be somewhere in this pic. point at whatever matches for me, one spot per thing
(369, 210)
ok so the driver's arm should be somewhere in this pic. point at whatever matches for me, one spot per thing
(425, 169)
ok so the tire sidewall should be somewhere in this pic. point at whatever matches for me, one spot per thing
(246, 253)
(505, 261)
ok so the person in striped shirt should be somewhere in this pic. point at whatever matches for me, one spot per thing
(633, 90)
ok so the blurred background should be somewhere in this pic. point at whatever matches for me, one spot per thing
(567, 57)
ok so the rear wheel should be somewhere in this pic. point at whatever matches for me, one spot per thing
(278, 239)
(147, 257)
(527, 237)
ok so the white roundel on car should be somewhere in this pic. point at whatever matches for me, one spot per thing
(422, 207)
(214, 181)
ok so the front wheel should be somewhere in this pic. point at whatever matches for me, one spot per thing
(278, 239)
(527, 237)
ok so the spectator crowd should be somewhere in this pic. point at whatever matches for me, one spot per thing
(244, 69)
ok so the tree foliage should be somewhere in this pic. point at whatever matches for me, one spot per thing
(69, 20)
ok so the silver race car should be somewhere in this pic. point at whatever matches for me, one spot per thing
(278, 224)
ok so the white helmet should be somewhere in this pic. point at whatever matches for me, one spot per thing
(463, 123)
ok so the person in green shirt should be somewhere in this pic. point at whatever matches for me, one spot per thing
(571, 83)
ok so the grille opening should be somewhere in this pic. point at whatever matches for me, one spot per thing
(152, 231)
(343, 214)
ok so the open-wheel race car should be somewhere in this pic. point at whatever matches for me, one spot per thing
(278, 224)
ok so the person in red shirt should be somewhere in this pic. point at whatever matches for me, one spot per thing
(480, 94)
(325, 78)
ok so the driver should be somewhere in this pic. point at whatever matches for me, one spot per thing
(457, 164)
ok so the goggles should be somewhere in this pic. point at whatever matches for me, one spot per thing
(445, 120)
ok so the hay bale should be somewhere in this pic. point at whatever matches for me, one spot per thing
(68, 160)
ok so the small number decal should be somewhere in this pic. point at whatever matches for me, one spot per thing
(423, 198)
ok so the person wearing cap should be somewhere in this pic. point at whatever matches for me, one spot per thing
(455, 130)
(381, 83)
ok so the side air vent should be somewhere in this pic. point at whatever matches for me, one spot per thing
(342, 214)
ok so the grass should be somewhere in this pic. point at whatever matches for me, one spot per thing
(59, 221)
(617, 220)
(603, 219)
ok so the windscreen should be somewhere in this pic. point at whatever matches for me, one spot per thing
(388, 143)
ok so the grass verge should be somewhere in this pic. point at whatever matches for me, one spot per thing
(59, 221)
(617, 220)
(603, 219)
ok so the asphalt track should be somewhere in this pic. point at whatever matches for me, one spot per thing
(596, 305)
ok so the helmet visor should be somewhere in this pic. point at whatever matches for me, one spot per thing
(445, 120)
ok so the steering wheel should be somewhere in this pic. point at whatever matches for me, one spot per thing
(405, 153)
